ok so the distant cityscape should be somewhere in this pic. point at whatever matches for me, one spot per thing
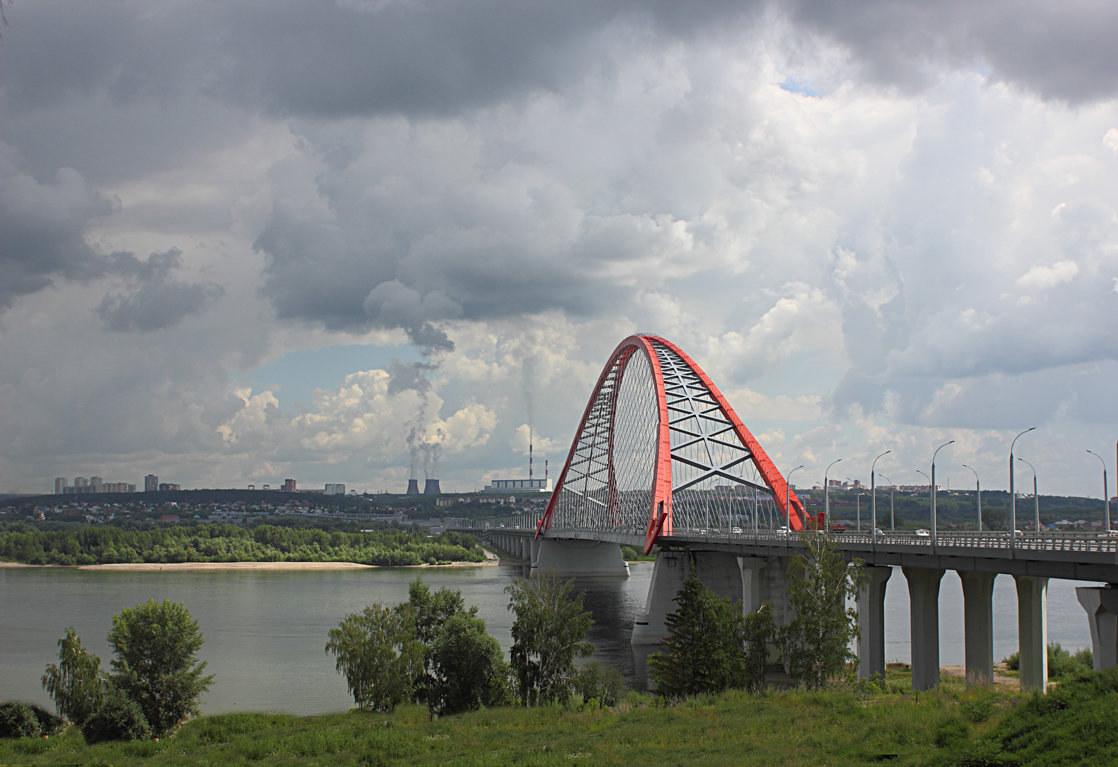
(90, 485)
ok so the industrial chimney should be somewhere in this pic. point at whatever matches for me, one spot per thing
(413, 487)
(431, 488)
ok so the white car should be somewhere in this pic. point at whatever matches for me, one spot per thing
(735, 531)
(923, 534)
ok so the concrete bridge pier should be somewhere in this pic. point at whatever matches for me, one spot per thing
(718, 571)
(923, 595)
(871, 622)
(978, 626)
(577, 557)
(1101, 604)
(1032, 631)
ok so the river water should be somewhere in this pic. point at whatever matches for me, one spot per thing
(265, 631)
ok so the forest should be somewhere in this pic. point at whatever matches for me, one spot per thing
(98, 544)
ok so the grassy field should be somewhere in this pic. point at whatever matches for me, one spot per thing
(779, 728)
(1071, 725)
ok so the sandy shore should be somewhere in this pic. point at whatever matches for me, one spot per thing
(170, 566)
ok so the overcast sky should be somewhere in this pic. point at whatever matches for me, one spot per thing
(251, 240)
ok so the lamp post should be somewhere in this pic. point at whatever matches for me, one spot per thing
(892, 488)
(787, 498)
(978, 492)
(925, 476)
(826, 491)
(1036, 498)
(1105, 491)
(1012, 492)
(873, 496)
(941, 447)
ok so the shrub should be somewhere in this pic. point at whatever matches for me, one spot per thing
(600, 682)
(118, 718)
(18, 720)
(467, 669)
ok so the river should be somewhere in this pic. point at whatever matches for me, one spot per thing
(265, 631)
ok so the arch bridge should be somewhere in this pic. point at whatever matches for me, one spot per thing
(660, 459)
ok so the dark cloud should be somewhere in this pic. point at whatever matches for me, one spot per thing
(42, 225)
(1058, 51)
(156, 301)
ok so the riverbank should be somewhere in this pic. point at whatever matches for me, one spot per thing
(490, 561)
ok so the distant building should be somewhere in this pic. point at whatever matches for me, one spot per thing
(95, 484)
(59, 485)
(335, 488)
(518, 486)
(289, 486)
(168, 487)
(151, 483)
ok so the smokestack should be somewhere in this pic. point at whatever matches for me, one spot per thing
(545, 472)
(413, 487)
(529, 458)
(431, 488)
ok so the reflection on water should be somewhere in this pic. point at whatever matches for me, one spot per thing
(265, 632)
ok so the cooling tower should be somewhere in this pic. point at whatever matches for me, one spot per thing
(432, 487)
(413, 487)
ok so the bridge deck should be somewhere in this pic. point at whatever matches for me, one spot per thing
(1075, 556)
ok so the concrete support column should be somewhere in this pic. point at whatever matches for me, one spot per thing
(1101, 604)
(773, 587)
(718, 571)
(752, 582)
(577, 557)
(923, 595)
(1032, 631)
(871, 622)
(978, 626)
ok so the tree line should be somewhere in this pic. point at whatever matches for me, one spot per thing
(95, 545)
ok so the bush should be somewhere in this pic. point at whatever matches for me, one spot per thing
(467, 669)
(118, 718)
(600, 682)
(1061, 663)
(18, 720)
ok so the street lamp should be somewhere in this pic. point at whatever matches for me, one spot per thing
(941, 447)
(873, 495)
(787, 498)
(978, 492)
(1036, 498)
(1105, 491)
(1012, 493)
(925, 476)
(826, 490)
(892, 488)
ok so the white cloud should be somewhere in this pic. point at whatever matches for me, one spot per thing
(1045, 277)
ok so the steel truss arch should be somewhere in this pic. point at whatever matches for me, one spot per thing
(659, 447)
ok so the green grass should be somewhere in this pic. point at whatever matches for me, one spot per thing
(844, 727)
(857, 725)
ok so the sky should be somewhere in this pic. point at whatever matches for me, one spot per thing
(361, 240)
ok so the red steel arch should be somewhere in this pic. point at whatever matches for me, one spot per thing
(654, 408)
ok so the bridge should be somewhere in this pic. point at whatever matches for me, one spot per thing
(660, 459)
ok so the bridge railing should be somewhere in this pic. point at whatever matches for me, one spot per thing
(964, 539)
